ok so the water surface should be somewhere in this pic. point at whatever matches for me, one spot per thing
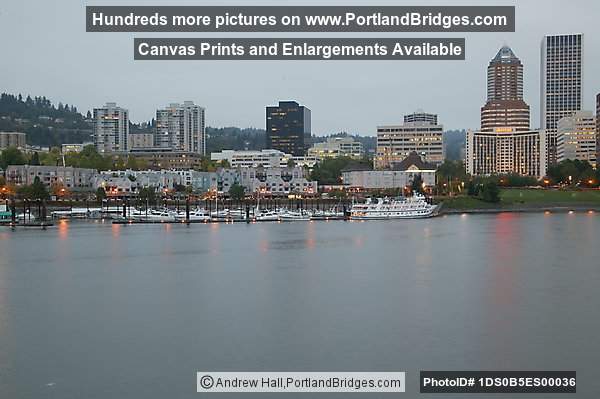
(97, 310)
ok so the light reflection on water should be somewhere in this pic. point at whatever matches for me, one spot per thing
(505, 291)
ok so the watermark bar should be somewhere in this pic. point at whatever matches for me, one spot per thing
(279, 382)
(498, 382)
(299, 49)
(300, 19)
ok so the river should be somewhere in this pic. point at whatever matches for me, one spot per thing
(95, 310)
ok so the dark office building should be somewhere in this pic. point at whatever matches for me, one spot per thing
(288, 128)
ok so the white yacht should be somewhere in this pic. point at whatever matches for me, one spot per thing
(266, 215)
(196, 215)
(153, 215)
(330, 214)
(26, 217)
(414, 207)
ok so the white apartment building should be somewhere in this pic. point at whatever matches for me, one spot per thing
(129, 182)
(73, 179)
(577, 137)
(181, 127)
(336, 147)
(264, 158)
(252, 159)
(420, 133)
(111, 128)
(506, 151)
(277, 181)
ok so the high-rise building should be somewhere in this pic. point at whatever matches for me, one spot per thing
(111, 128)
(506, 151)
(288, 128)
(181, 127)
(597, 129)
(505, 106)
(420, 116)
(561, 83)
(420, 133)
(576, 138)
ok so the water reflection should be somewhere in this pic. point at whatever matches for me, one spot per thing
(63, 229)
(116, 231)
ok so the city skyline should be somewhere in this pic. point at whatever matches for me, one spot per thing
(382, 91)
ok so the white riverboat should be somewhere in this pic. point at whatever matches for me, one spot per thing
(414, 207)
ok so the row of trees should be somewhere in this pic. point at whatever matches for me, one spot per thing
(88, 158)
(573, 172)
(329, 171)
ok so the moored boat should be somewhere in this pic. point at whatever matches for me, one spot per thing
(414, 207)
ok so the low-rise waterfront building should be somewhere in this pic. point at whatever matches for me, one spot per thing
(12, 139)
(252, 159)
(129, 182)
(74, 147)
(335, 147)
(506, 151)
(400, 175)
(199, 181)
(141, 141)
(420, 133)
(577, 137)
(158, 159)
(277, 181)
(73, 179)
(268, 158)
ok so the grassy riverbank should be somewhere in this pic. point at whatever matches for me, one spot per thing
(526, 199)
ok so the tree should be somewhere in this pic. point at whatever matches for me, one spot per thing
(35, 159)
(225, 163)
(147, 194)
(237, 192)
(131, 163)
(417, 184)
(329, 171)
(2, 181)
(490, 191)
(11, 156)
(291, 163)
(100, 194)
(37, 190)
(453, 173)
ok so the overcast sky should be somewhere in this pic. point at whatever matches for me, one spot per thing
(46, 51)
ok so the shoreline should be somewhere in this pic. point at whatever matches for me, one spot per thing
(523, 209)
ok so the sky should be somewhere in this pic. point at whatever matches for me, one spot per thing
(45, 51)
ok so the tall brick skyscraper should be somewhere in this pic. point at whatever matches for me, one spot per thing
(505, 106)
